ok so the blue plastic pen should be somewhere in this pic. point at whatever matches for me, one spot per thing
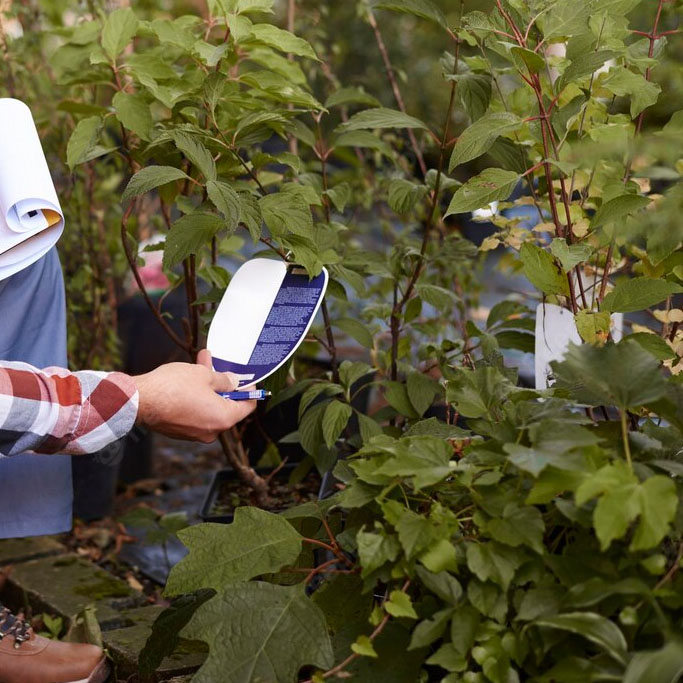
(255, 395)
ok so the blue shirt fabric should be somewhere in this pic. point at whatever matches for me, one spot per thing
(35, 490)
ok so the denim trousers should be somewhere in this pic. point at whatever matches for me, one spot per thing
(35, 490)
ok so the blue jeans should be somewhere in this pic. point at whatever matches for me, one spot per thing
(35, 490)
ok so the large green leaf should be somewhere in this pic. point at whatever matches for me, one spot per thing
(563, 18)
(582, 65)
(481, 135)
(569, 255)
(82, 145)
(624, 375)
(425, 9)
(618, 208)
(542, 271)
(625, 83)
(493, 562)
(285, 212)
(474, 91)
(133, 112)
(664, 665)
(403, 195)
(260, 632)
(381, 118)
(595, 628)
(150, 177)
(282, 40)
(257, 542)
(196, 152)
(227, 201)
(638, 293)
(336, 416)
(490, 185)
(119, 28)
(188, 235)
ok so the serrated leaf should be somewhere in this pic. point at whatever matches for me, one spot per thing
(442, 584)
(582, 65)
(638, 293)
(593, 326)
(250, 214)
(429, 630)
(425, 9)
(133, 112)
(272, 631)
(623, 82)
(474, 91)
(527, 60)
(227, 201)
(368, 427)
(363, 139)
(282, 40)
(494, 562)
(286, 212)
(492, 184)
(421, 391)
(595, 628)
(540, 269)
(518, 526)
(188, 235)
(375, 549)
(257, 542)
(569, 255)
(83, 141)
(351, 95)
(336, 417)
(404, 195)
(196, 152)
(654, 344)
(149, 178)
(481, 135)
(119, 29)
(363, 646)
(400, 605)
(381, 118)
(618, 208)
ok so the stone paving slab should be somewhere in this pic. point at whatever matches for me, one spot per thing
(67, 584)
(14, 550)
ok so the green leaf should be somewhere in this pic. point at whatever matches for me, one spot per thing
(638, 293)
(442, 584)
(282, 40)
(448, 657)
(490, 185)
(623, 82)
(196, 152)
(227, 201)
(119, 29)
(351, 95)
(340, 195)
(564, 19)
(397, 397)
(429, 630)
(492, 561)
(133, 112)
(355, 329)
(518, 526)
(257, 542)
(425, 9)
(593, 326)
(363, 138)
(653, 344)
(421, 391)
(381, 118)
(164, 637)
(569, 255)
(527, 60)
(82, 145)
(400, 605)
(481, 135)
(658, 502)
(474, 91)
(618, 208)
(476, 393)
(664, 665)
(404, 195)
(250, 214)
(434, 427)
(150, 177)
(624, 375)
(363, 646)
(269, 633)
(440, 557)
(368, 427)
(375, 549)
(542, 271)
(595, 628)
(188, 235)
(285, 212)
(336, 417)
(584, 64)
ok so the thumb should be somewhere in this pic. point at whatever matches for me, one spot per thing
(224, 381)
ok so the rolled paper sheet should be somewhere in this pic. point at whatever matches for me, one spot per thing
(31, 219)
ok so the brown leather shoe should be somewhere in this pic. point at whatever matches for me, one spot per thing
(28, 658)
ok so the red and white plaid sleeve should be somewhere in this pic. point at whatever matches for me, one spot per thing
(57, 411)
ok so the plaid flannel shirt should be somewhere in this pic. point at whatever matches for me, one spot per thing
(57, 411)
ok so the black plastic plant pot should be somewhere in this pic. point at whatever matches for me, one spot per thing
(215, 509)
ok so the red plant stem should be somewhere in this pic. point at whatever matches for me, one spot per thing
(134, 268)
(627, 172)
(391, 75)
(321, 568)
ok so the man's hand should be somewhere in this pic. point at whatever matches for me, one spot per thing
(180, 400)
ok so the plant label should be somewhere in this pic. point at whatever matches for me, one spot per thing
(31, 219)
(263, 316)
(555, 328)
